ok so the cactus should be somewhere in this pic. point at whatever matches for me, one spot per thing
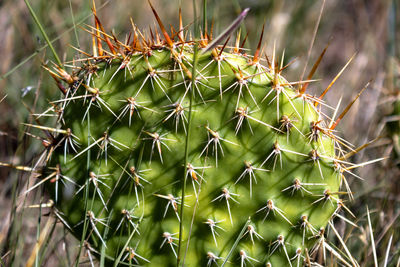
(169, 149)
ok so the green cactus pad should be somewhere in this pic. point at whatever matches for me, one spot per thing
(262, 174)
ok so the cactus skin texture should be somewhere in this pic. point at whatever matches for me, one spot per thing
(262, 165)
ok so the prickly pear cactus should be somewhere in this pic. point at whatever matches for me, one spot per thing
(166, 151)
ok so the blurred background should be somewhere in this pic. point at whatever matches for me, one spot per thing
(368, 29)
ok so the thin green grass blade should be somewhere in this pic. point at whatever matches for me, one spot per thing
(236, 242)
(73, 22)
(86, 222)
(36, 19)
(103, 248)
